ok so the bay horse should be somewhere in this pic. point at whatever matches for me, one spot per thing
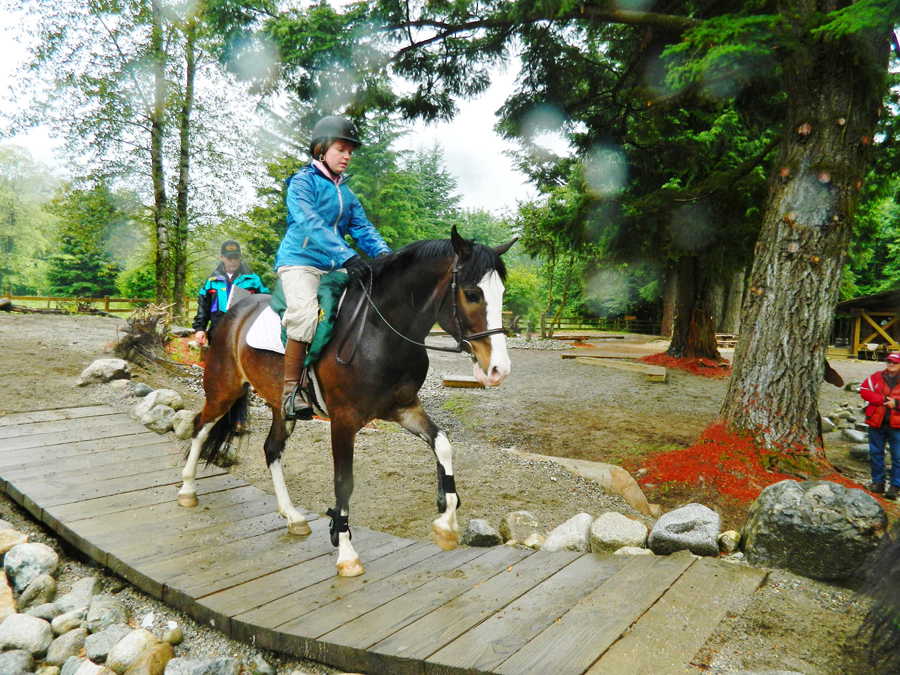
(372, 368)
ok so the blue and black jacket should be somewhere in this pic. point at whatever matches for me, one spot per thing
(213, 297)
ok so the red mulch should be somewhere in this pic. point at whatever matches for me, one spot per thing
(703, 367)
(179, 350)
(722, 462)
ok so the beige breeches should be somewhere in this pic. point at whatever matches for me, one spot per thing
(301, 291)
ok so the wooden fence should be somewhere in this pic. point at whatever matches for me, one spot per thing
(626, 324)
(106, 303)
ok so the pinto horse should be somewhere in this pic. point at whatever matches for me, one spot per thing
(372, 368)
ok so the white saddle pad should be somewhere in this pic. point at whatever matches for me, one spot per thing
(265, 333)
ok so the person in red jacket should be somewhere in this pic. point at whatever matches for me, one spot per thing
(882, 392)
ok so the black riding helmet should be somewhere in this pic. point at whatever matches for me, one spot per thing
(333, 128)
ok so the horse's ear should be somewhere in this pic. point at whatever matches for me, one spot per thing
(503, 248)
(463, 247)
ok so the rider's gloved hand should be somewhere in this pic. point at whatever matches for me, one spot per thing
(357, 269)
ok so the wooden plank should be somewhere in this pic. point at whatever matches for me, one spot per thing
(572, 643)
(258, 626)
(346, 646)
(64, 425)
(668, 636)
(462, 381)
(113, 464)
(492, 642)
(295, 577)
(588, 352)
(87, 447)
(115, 426)
(404, 651)
(650, 373)
(8, 419)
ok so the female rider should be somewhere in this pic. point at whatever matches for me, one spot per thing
(321, 211)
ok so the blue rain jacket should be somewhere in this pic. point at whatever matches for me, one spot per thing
(320, 213)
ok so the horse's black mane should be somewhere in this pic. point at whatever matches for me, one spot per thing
(483, 260)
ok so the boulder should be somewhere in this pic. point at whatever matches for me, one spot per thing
(479, 532)
(104, 370)
(80, 595)
(98, 645)
(41, 590)
(7, 599)
(693, 528)
(827, 425)
(158, 419)
(48, 670)
(10, 538)
(854, 436)
(174, 636)
(153, 660)
(186, 666)
(518, 525)
(90, 668)
(16, 662)
(860, 451)
(66, 645)
(25, 562)
(21, 631)
(534, 541)
(48, 611)
(63, 623)
(633, 550)
(71, 666)
(166, 397)
(141, 389)
(259, 666)
(183, 424)
(104, 611)
(612, 531)
(127, 650)
(572, 535)
(729, 542)
(817, 529)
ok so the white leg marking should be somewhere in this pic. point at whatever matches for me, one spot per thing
(445, 527)
(348, 563)
(296, 522)
(187, 495)
(492, 287)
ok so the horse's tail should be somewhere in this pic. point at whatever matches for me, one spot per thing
(214, 448)
(881, 627)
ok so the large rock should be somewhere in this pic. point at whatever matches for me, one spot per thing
(141, 389)
(152, 661)
(167, 397)
(183, 423)
(827, 425)
(104, 611)
(7, 599)
(693, 528)
(16, 662)
(185, 666)
(10, 538)
(518, 526)
(479, 532)
(25, 562)
(104, 370)
(817, 529)
(21, 631)
(41, 590)
(129, 648)
(854, 436)
(572, 535)
(65, 646)
(612, 531)
(48, 611)
(98, 645)
(63, 623)
(158, 418)
(80, 595)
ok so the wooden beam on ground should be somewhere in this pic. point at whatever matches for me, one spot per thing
(462, 382)
(650, 373)
(592, 353)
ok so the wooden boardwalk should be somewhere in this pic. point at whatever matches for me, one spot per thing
(108, 486)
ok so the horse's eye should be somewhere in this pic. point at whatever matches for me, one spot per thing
(471, 296)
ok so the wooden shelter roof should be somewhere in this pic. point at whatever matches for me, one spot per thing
(886, 300)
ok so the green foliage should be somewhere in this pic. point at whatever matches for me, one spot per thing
(138, 282)
(26, 230)
(81, 265)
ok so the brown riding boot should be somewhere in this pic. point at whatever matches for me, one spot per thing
(293, 407)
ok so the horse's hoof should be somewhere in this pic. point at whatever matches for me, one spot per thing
(350, 568)
(189, 500)
(446, 540)
(299, 529)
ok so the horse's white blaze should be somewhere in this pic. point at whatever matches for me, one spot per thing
(492, 287)
(189, 473)
(285, 505)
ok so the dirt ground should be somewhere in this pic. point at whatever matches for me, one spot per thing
(548, 406)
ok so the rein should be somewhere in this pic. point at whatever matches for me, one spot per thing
(461, 341)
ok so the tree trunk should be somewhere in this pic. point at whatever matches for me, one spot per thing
(716, 303)
(669, 295)
(731, 315)
(179, 242)
(835, 93)
(693, 333)
(551, 263)
(157, 130)
(565, 296)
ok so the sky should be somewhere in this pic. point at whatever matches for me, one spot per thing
(473, 152)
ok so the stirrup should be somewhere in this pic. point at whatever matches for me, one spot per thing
(290, 410)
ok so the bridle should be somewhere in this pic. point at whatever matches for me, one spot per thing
(463, 342)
